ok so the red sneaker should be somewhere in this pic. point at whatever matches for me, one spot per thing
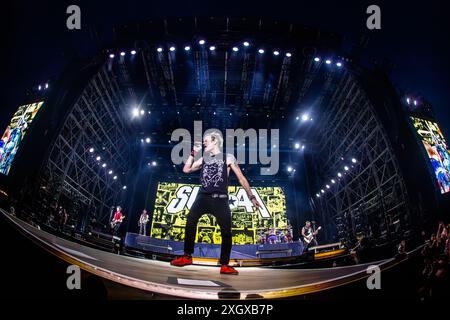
(181, 261)
(225, 269)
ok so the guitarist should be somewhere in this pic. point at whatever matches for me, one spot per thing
(117, 220)
(309, 235)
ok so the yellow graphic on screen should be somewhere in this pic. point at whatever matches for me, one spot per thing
(173, 201)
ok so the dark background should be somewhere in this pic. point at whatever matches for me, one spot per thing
(414, 37)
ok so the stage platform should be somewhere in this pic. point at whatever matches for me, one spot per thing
(195, 281)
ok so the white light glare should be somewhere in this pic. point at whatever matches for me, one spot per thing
(346, 168)
(172, 48)
(261, 51)
(154, 163)
(147, 140)
(305, 117)
(98, 158)
(289, 169)
(353, 160)
(202, 42)
(288, 54)
(246, 44)
(187, 48)
(235, 49)
(297, 145)
(328, 61)
(316, 59)
(91, 150)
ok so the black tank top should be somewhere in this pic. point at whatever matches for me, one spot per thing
(214, 175)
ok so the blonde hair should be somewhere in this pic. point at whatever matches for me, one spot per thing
(216, 136)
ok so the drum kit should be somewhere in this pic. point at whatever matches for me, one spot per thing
(273, 236)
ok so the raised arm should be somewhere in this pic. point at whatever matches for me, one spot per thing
(191, 165)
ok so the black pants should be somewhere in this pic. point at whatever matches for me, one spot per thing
(220, 209)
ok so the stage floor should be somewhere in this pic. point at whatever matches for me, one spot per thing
(197, 282)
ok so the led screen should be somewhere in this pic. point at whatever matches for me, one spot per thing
(14, 134)
(173, 201)
(437, 150)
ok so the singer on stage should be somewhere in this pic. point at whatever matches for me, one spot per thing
(212, 197)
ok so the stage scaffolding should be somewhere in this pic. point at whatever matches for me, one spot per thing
(370, 198)
(95, 121)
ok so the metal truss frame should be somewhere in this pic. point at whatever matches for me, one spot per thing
(95, 120)
(370, 198)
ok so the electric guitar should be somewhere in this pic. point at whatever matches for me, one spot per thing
(114, 222)
(311, 236)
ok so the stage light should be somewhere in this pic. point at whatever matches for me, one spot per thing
(274, 146)
(39, 87)
(346, 168)
(231, 114)
(142, 140)
(303, 147)
(328, 187)
(172, 48)
(305, 117)
(323, 191)
(297, 146)
(110, 172)
(333, 181)
(133, 52)
(353, 160)
(159, 49)
(261, 51)
(289, 169)
(339, 64)
(339, 175)
(112, 55)
(202, 42)
(115, 177)
(142, 112)
(297, 118)
(316, 59)
(328, 61)
(98, 158)
(317, 195)
(246, 44)
(46, 87)
(122, 53)
(214, 113)
(124, 187)
(135, 112)
(288, 54)
(104, 165)
(407, 100)
(276, 53)
(187, 48)
(415, 102)
(154, 163)
(235, 49)
(91, 150)
(212, 48)
(147, 140)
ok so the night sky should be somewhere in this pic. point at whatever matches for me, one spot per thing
(36, 43)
